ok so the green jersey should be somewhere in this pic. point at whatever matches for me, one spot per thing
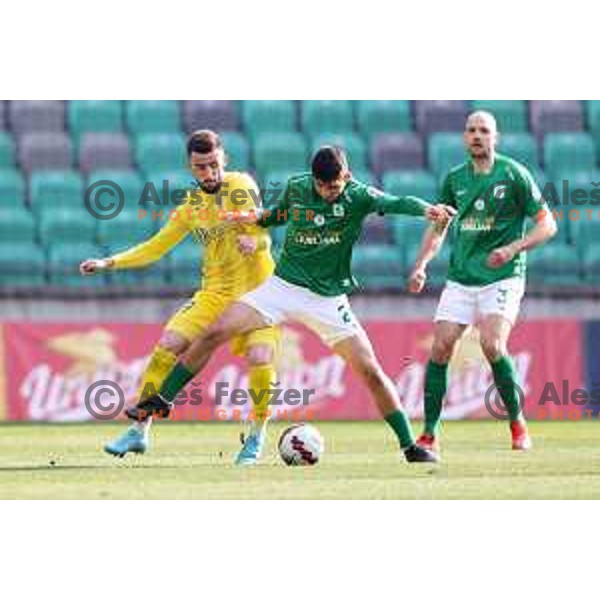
(492, 211)
(320, 235)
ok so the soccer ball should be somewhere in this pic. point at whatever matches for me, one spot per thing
(301, 444)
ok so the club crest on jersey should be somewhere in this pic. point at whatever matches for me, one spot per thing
(479, 204)
(499, 192)
(338, 210)
(319, 220)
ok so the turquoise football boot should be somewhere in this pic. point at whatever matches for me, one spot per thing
(131, 441)
(252, 447)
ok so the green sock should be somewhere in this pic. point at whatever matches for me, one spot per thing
(176, 380)
(436, 384)
(505, 378)
(399, 422)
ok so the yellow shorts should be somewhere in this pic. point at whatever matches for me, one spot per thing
(205, 308)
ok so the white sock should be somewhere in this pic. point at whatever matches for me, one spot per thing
(258, 427)
(142, 427)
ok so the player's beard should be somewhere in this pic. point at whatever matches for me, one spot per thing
(212, 187)
(480, 153)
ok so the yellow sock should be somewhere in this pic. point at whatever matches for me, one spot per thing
(161, 363)
(259, 379)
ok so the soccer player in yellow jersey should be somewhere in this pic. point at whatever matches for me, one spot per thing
(237, 258)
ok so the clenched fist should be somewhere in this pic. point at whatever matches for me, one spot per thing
(95, 265)
(416, 281)
(440, 214)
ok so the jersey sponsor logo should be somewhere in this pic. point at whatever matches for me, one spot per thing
(319, 220)
(206, 236)
(472, 224)
(480, 204)
(318, 239)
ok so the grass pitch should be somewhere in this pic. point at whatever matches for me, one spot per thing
(361, 461)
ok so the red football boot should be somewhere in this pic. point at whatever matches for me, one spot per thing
(520, 436)
(429, 442)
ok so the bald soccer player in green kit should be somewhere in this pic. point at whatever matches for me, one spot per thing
(494, 196)
(324, 211)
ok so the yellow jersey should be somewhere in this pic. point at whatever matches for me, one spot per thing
(225, 269)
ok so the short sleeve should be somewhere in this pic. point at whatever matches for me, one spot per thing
(533, 201)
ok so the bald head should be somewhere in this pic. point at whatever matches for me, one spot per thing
(481, 135)
(483, 117)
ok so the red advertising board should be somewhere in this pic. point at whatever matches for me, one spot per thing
(47, 369)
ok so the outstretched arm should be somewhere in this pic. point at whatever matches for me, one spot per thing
(384, 204)
(141, 255)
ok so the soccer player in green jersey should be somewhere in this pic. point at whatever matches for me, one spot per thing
(494, 196)
(324, 211)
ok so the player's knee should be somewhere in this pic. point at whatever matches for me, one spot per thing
(259, 355)
(216, 335)
(442, 350)
(493, 348)
(370, 372)
(173, 342)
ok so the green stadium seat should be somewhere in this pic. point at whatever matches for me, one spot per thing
(185, 264)
(151, 276)
(7, 151)
(237, 150)
(445, 151)
(437, 272)
(569, 152)
(280, 152)
(130, 183)
(379, 267)
(276, 180)
(383, 116)
(61, 225)
(16, 224)
(56, 188)
(127, 229)
(153, 116)
(521, 147)
(583, 222)
(554, 263)
(352, 143)
(268, 116)
(593, 120)
(365, 176)
(511, 115)
(94, 116)
(331, 116)
(591, 263)
(64, 259)
(160, 152)
(178, 182)
(411, 183)
(22, 264)
(12, 188)
(408, 231)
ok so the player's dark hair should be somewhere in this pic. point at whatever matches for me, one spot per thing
(203, 142)
(328, 163)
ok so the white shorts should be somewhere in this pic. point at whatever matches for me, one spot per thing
(467, 305)
(331, 318)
